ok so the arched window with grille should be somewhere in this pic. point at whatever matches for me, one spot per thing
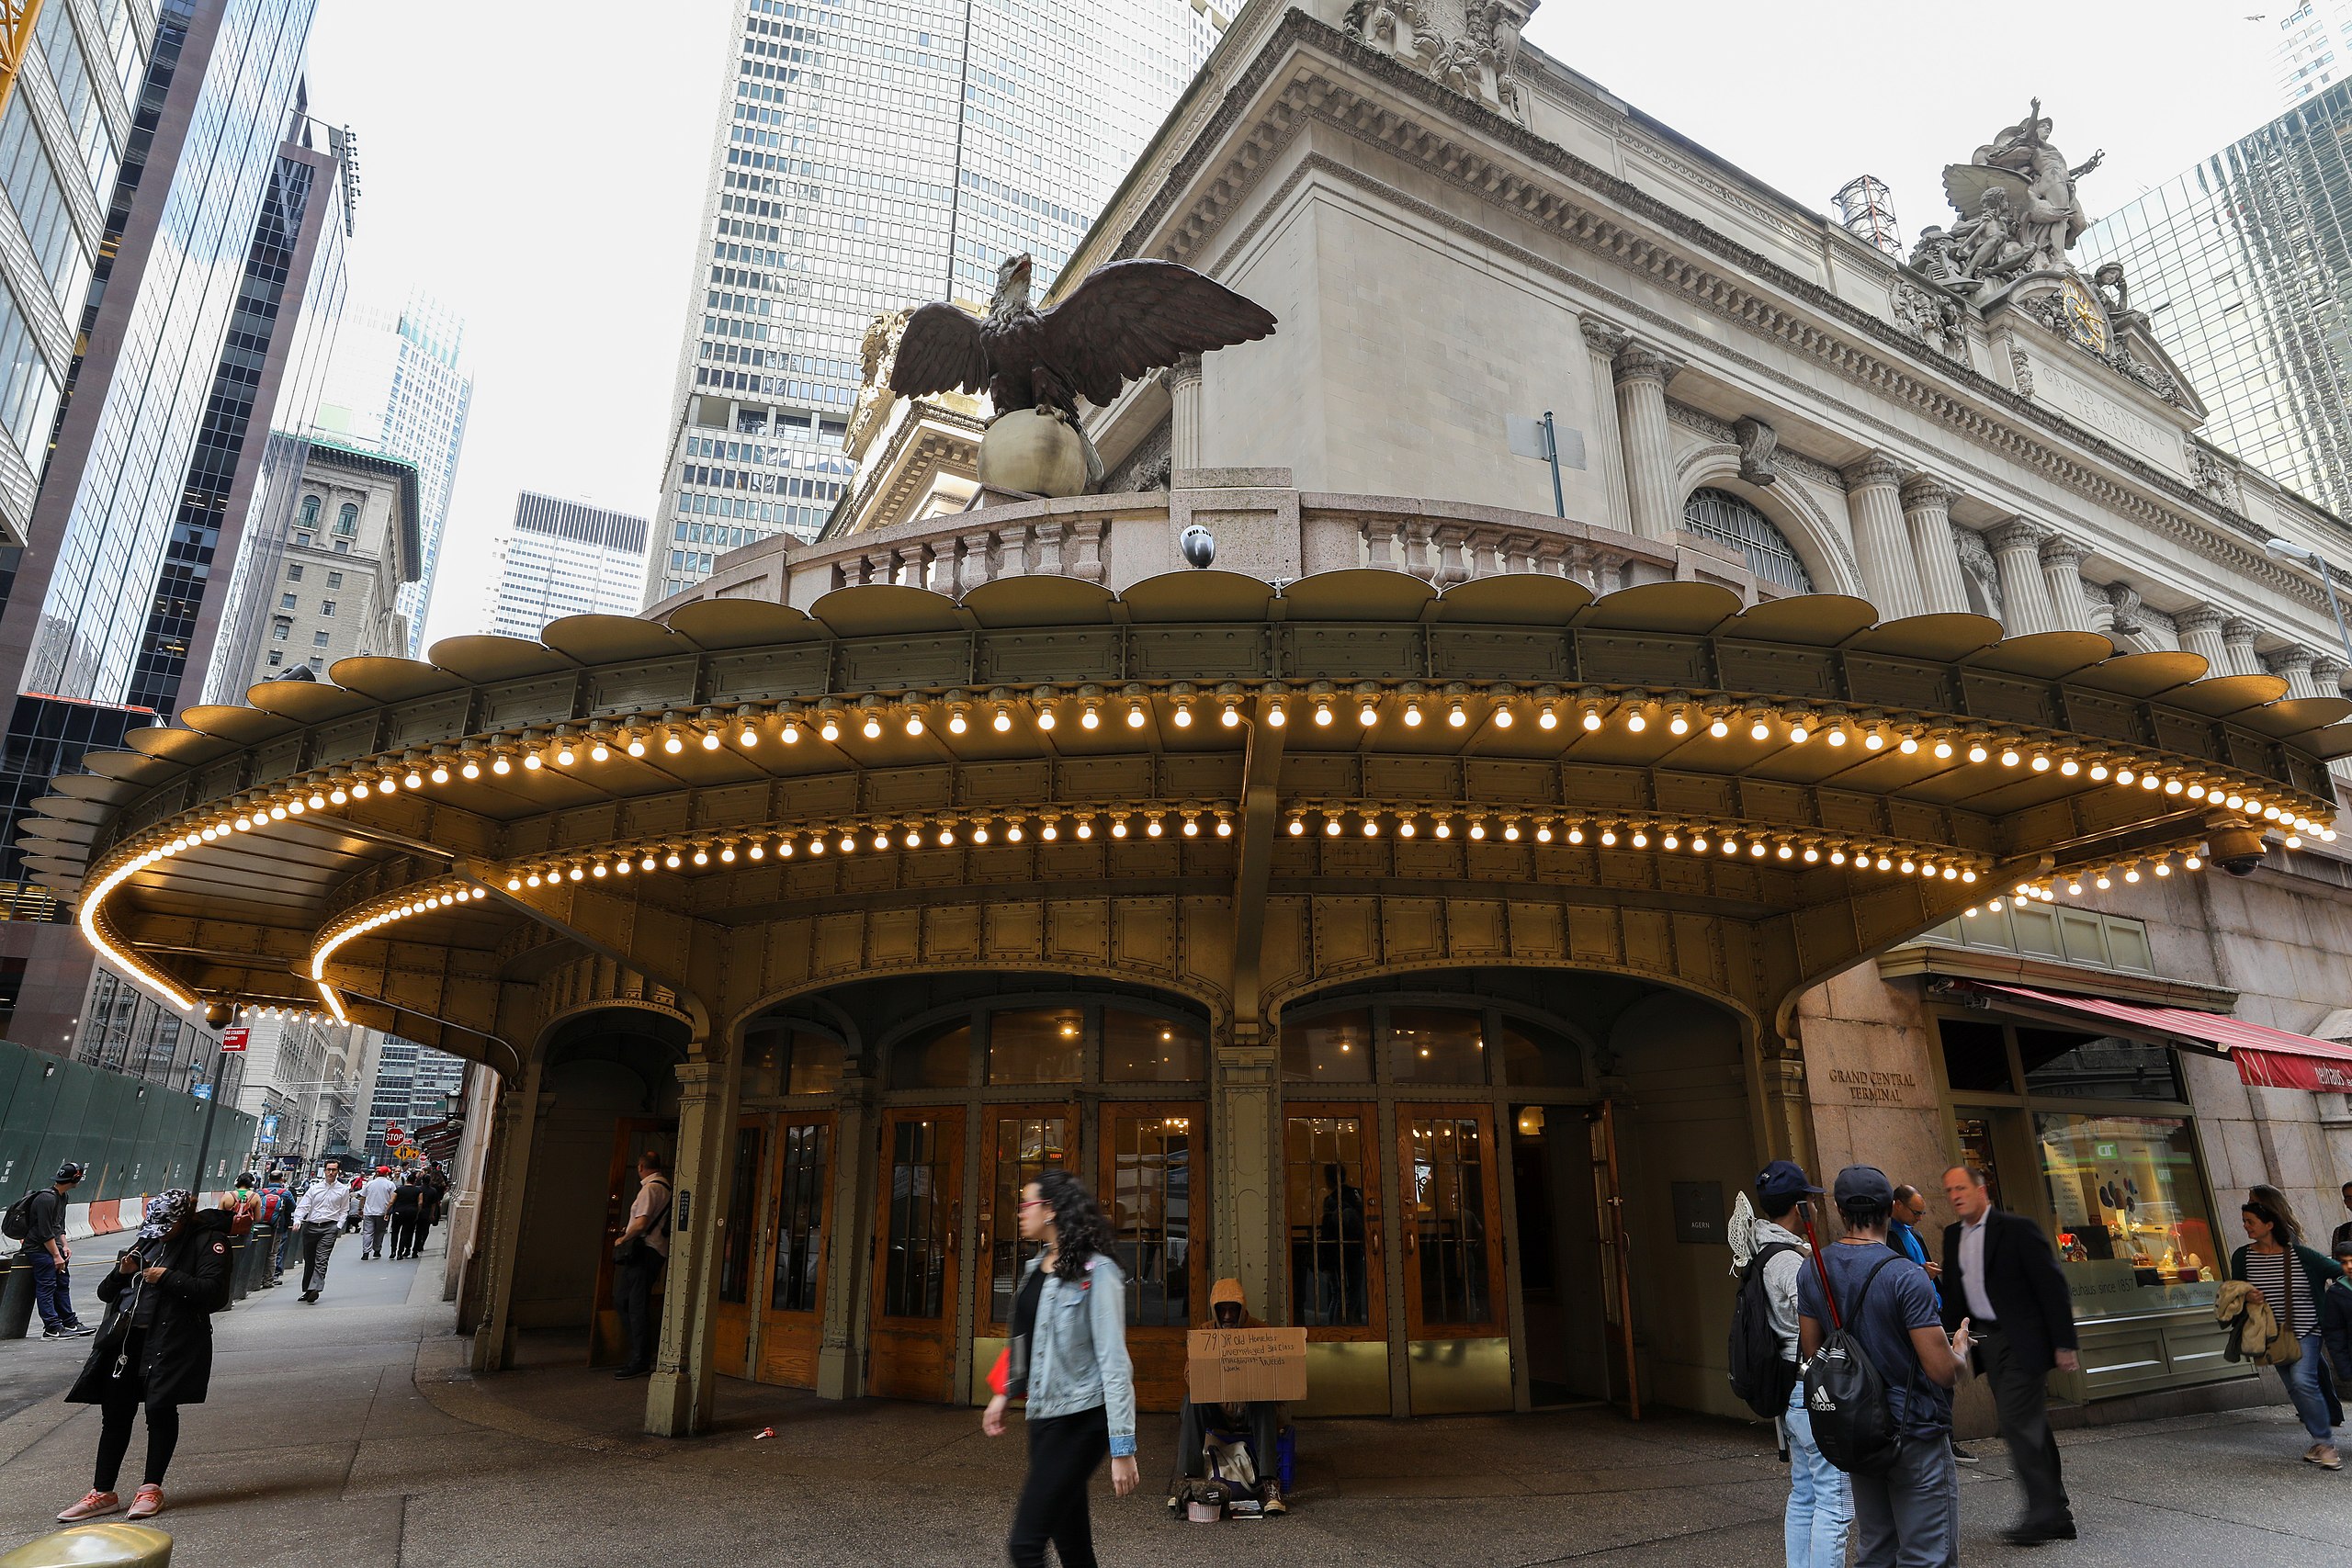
(1728, 519)
(310, 511)
(346, 522)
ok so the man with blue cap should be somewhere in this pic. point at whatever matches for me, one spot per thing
(1821, 1501)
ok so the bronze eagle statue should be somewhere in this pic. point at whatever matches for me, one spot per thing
(1125, 320)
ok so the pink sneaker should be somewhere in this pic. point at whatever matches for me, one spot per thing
(90, 1507)
(147, 1504)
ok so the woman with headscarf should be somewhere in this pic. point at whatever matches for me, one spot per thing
(155, 1347)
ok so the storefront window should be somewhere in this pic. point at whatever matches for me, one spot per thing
(1333, 1048)
(2096, 1067)
(1037, 1046)
(1976, 1056)
(2135, 1231)
(1140, 1048)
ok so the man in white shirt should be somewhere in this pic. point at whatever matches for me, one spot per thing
(375, 1205)
(319, 1216)
(1820, 1513)
(639, 1253)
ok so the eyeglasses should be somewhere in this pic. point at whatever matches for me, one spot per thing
(1033, 1203)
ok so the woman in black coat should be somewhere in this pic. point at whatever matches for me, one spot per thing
(155, 1347)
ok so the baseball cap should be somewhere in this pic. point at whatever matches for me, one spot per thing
(69, 1171)
(1784, 1179)
(1864, 1185)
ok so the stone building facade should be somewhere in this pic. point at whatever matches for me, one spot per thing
(351, 545)
(1433, 914)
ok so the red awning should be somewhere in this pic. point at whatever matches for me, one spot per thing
(2266, 1057)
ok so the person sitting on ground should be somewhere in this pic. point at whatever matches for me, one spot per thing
(1261, 1418)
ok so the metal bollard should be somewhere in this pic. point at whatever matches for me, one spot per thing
(113, 1545)
(15, 1297)
(238, 1248)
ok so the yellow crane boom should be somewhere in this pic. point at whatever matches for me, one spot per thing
(16, 18)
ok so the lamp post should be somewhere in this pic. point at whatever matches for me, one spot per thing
(2287, 550)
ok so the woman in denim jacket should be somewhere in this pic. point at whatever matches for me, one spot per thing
(1069, 1358)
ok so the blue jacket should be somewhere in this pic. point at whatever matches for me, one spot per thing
(1077, 1355)
(1904, 1242)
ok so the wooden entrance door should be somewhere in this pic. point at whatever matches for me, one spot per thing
(731, 1321)
(1453, 1230)
(792, 1297)
(632, 1136)
(1152, 1167)
(1018, 1142)
(916, 1280)
(1331, 1215)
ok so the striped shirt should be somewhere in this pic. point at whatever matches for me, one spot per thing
(2269, 1272)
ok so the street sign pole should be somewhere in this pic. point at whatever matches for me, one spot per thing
(231, 1039)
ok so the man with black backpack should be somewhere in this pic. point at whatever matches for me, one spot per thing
(38, 1219)
(1878, 1381)
(1764, 1368)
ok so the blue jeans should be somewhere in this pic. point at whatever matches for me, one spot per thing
(1821, 1500)
(2302, 1386)
(52, 1291)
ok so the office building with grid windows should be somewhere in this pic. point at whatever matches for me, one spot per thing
(2244, 264)
(565, 558)
(399, 383)
(874, 157)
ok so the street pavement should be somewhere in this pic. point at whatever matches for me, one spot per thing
(348, 1433)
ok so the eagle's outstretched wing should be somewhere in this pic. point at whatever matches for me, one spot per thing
(1132, 317)
(940, 350)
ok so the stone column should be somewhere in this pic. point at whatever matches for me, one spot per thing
(1655, 507)
(1604, 340)
(1183, 380)
(2294, 664)
(1245, 1089)
(2025, 593)
(2200, 634)
(2238, 637)
(1874, 501)
(678, 1402)
(2062, 573)
(519, 1111)
(1926, 513)
(849, 1236)
(2327, 674)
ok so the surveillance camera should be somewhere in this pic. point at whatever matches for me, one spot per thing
(1198, 545)
(2236, 850)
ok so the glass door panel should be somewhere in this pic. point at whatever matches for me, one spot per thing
(1331, 1212)
(915, 1273)
(791, 1307)
(1453, 1230)
(1151, 1167)
(730, 1321)
(1022, 1142)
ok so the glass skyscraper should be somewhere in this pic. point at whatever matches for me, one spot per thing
(876, 155)
(2244, 266)
(399, 383)
(565, 558)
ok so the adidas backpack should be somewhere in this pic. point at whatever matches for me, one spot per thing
(1845, 1394)
(1761, 1376)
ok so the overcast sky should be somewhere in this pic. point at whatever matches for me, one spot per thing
(541, 169)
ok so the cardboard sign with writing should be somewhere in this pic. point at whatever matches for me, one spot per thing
(1233, 1366)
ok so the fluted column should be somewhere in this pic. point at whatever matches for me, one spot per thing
(1641, 373)
(2061, 575)
(2327, 675)
(2294, 664)
(1881, 550)
(1603, 341)
(1927, 511)
(2200, 634)
(2238, 637)
(2025, 593)
(1183, 380)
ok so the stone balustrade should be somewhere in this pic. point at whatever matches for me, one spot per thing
(1262, 527)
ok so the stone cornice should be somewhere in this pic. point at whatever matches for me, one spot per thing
(913, 453)
(1865, 350)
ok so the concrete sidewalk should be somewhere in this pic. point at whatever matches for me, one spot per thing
(347, 1433)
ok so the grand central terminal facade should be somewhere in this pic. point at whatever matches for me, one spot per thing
(1891, 741)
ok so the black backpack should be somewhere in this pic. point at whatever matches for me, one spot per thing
(1761, 1376)
(1845, 1394)
(18, 1219)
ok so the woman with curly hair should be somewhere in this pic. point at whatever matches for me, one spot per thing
(2293, 1281)
(1068, 1356)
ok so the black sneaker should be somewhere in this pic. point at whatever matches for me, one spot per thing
(1962, 1456)
(81, 1331)
(57, 1334)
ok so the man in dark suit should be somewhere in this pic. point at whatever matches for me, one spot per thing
(1999, 1271)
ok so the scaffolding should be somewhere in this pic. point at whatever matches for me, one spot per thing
(1866, 211)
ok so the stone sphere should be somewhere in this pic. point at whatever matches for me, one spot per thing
(1029, 450)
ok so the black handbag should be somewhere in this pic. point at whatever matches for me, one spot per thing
(112, 1347)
